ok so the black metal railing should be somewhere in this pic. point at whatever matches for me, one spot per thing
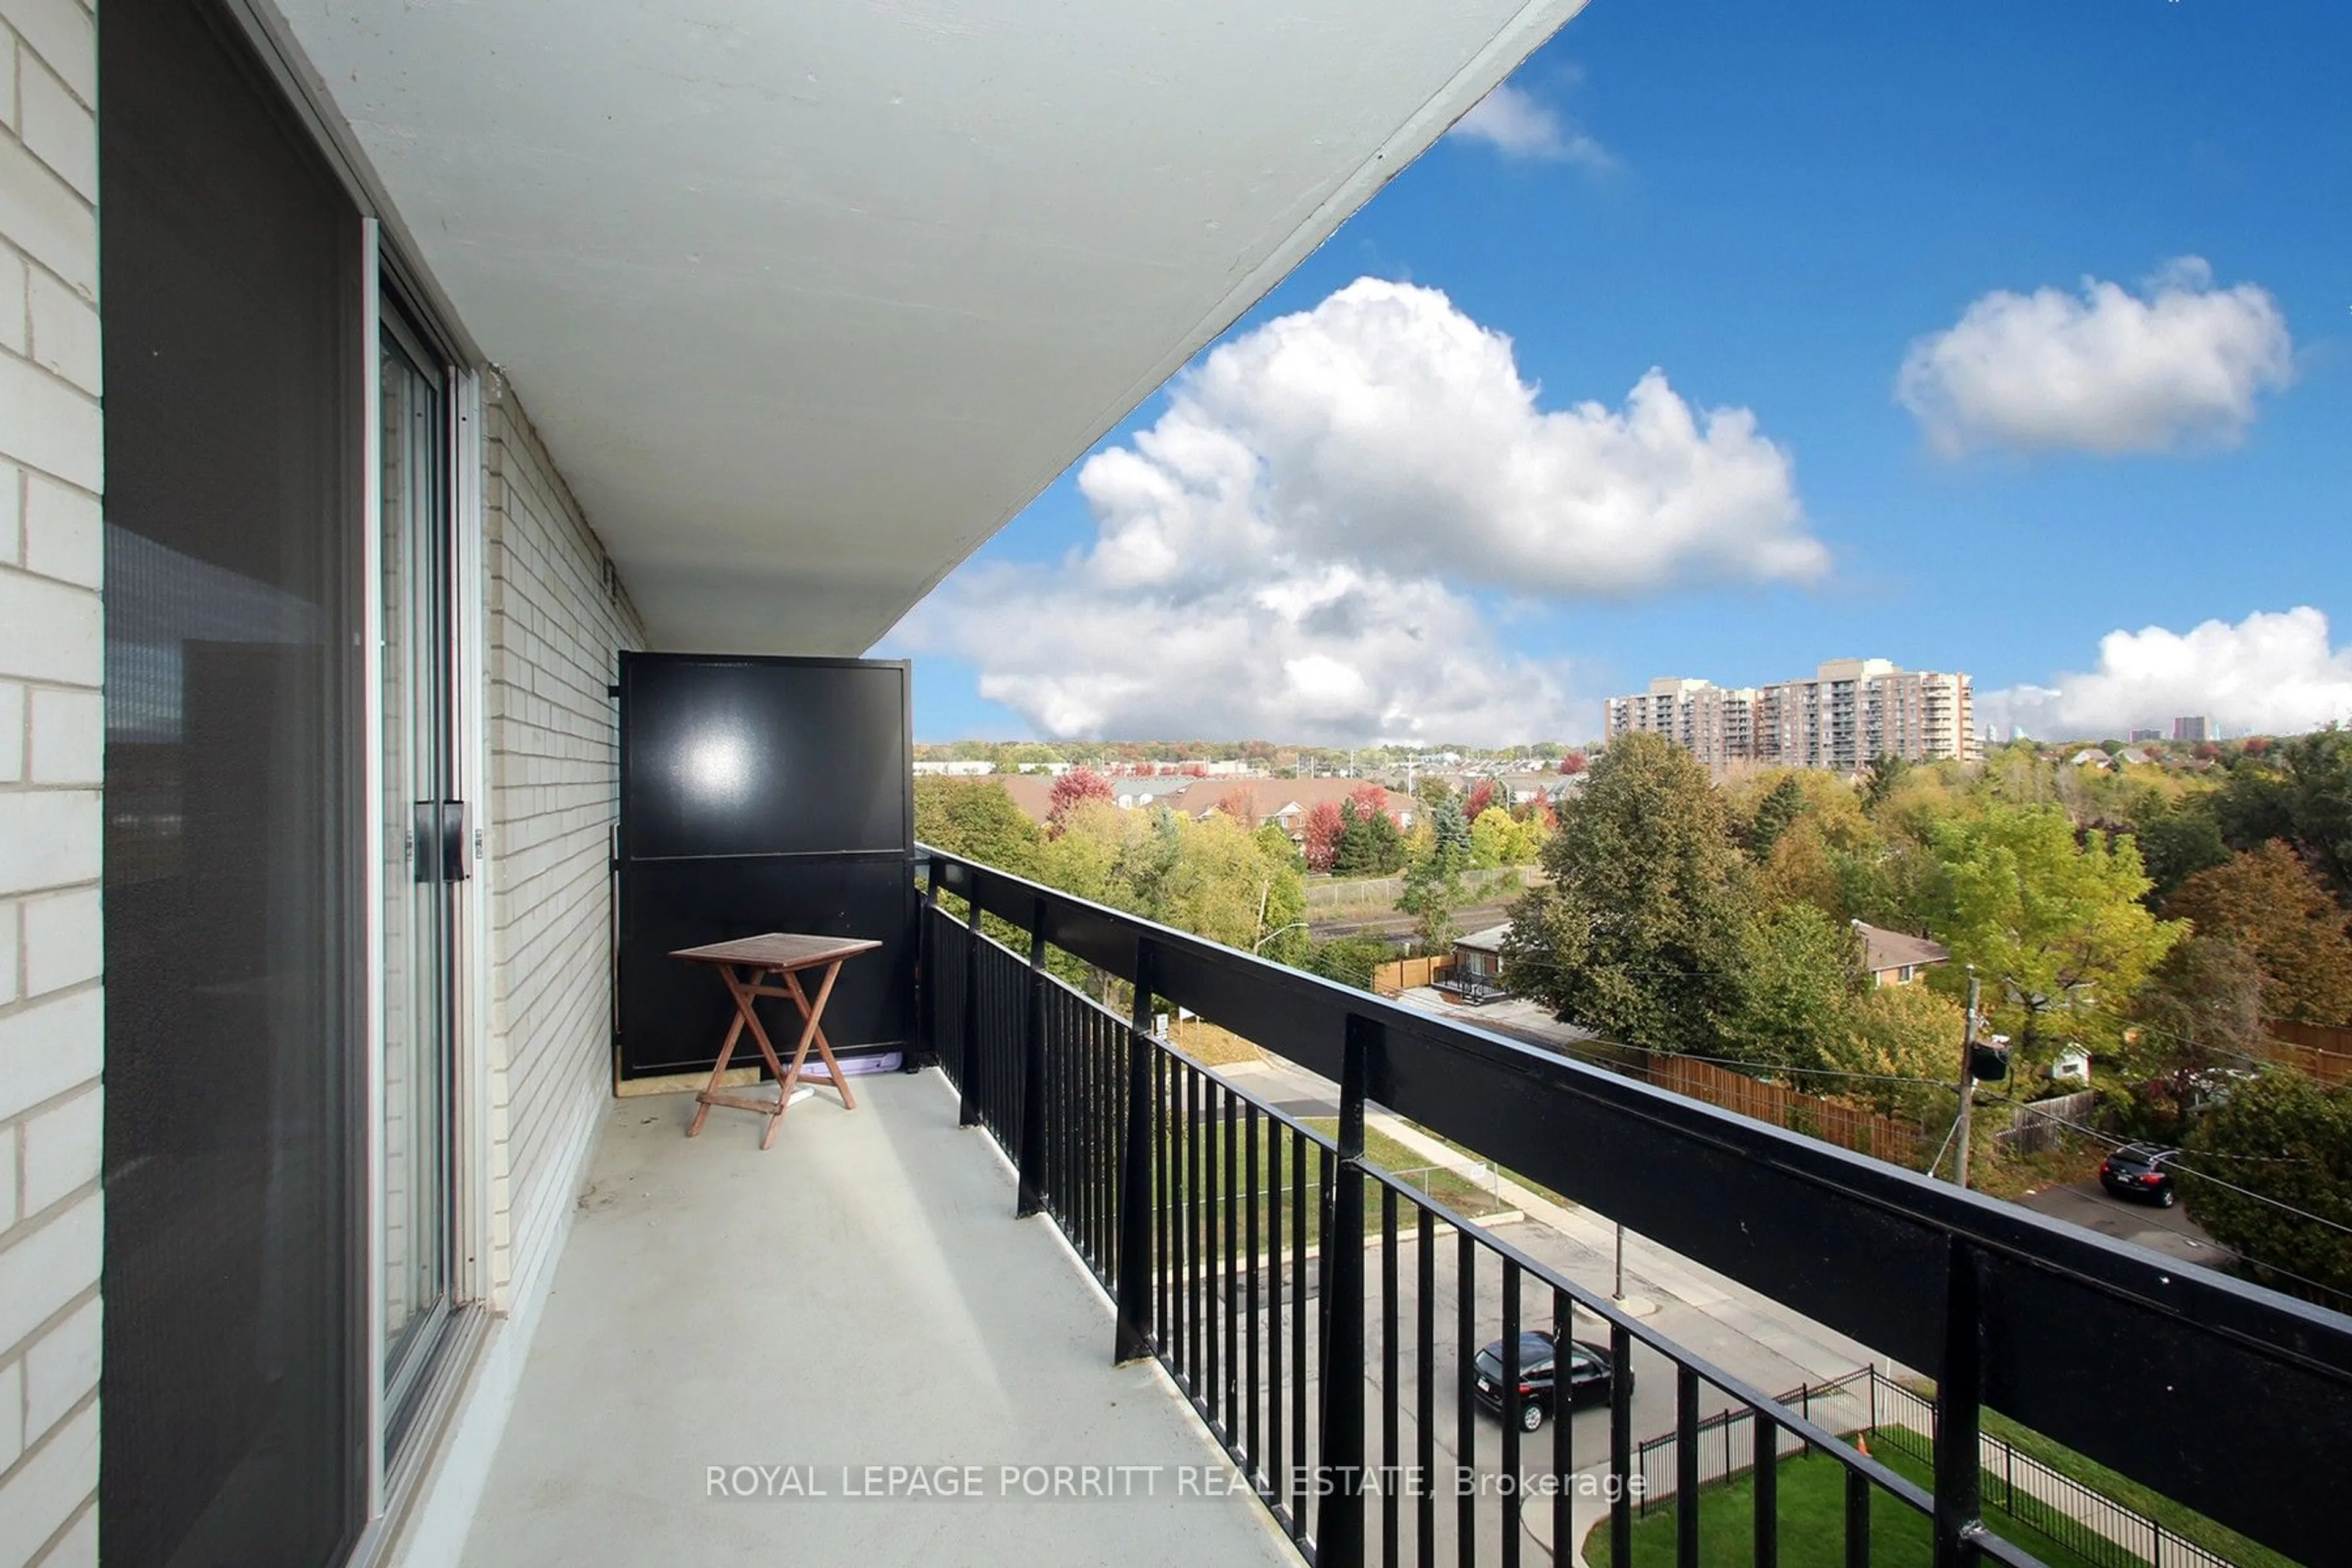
(1325, 1320)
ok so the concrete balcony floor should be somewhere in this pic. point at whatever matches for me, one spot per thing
(858, 1295)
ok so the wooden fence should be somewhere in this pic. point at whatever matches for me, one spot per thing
(2042, 1124)
(1393, 979)
(2320, 1050)
(1855, 1127)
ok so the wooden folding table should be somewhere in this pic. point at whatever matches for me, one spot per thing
(749, 965)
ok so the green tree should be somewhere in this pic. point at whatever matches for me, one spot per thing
(1369, 844)
(1885, 775)
(1640, 932)
(2177, 846)
(1451, 828)
(1432, 891)
(1349, 959)
(2201, 1009)
(1774, 815)
(1495, 839)
(2286, 1138)
(2269, 902)
(2056, 927)
(1903, 1032)
(2318, 770)
(1802, 974)
(975, 819)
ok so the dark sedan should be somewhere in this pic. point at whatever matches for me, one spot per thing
(1590, 1376)
(2141, 1172)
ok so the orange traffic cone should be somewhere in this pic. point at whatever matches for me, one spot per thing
(1862, 1444)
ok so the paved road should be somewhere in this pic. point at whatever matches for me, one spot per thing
(1475, 919)
(2168, 1231)
(1715, 1317)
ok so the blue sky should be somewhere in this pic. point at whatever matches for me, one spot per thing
(1771, 204)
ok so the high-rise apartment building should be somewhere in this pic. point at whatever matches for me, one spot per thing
(1715, 725)
(2197, 729)
(1848, 713)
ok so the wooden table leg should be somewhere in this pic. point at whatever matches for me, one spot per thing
(812, 1032)
(709, 1095)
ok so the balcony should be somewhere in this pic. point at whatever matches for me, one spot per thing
(860, 1294)
(1074, 1247)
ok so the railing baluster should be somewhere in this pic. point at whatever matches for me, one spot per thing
(1620, 1444)
(1426, 1390)
(1168, 1172)
(1390, 1459)
(1686, 1467)
(1339, 1523)
(1228, 1140)
(1033, 1184)
(1766, 1468)
(1277, 1169)
(1465, 1399)
(968, 1084)
(1515, 1373)
(1563, 1426)
(1195, 1181)
(1857, 1520)
(926, 968)
(1134, 1337)
(1205, 1247)
(1299, 1365)
(1253, 1434)
(1959, 1394)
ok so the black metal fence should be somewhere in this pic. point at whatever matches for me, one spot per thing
(1325, 1320)
(1727, 1440)
(2089, 1523)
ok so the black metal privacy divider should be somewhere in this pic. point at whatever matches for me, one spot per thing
(1236, 1241)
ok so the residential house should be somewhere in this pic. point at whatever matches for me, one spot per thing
(1478, 957)
(1898, 958)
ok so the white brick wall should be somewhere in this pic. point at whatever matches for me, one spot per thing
(554, 631)
(51, 751)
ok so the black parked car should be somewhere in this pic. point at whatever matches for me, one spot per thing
(1590, 1376)
(2140, 1172)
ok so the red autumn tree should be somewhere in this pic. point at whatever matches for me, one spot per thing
(1368, 798)
(1241, 805)
(1574, 763)
(1324, 825)
(1482, 796)
(1072, 788)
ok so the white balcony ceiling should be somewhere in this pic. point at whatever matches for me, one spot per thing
(808, 299)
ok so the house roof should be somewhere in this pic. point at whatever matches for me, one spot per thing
(1884, 950)
(1487, 941)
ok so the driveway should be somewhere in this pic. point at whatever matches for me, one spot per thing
(2168, 1231)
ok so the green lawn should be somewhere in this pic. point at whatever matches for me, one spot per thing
(1465, 1197)
(2184, 1522)
(1812, 1523)
(1273, 1161)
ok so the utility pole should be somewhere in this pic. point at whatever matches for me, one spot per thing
(1967, 1083)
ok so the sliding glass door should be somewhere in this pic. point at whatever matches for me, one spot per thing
(426, 855)
(235, 1419)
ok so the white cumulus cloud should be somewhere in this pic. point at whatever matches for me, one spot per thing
(1298, 546)
(2109, 372)
(1518, 124)
(2274, 672)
